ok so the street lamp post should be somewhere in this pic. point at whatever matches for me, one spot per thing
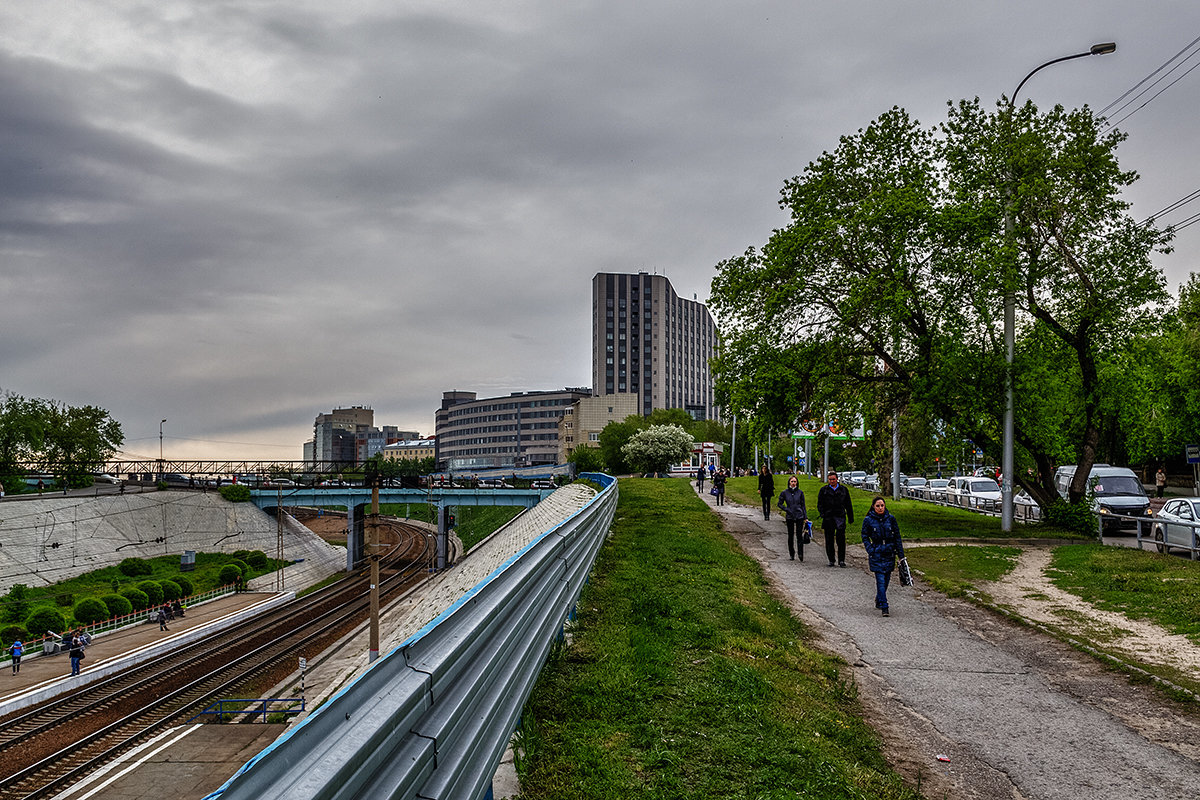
(160, 449)
(1010, 305)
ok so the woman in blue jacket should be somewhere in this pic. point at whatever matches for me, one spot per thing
(881, 538)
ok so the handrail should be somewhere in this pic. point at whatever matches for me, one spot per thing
(432, 718)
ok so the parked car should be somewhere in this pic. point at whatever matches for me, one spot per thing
(935, 489)
(1178, 524)
(1025, 507)
(914, 487)
(1117, 493)
(286, 483)
(542, 484)
(871, 482)
(972, 492)
(104, 477)
(854, 477)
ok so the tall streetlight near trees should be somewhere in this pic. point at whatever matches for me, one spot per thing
(1010, 301)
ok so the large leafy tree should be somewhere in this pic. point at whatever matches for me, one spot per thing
(656, 448)
(885, 290)
(71, 441)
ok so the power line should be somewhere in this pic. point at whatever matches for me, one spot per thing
(1117, 107)
(1183, 201)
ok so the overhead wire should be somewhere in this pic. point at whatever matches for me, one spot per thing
(1121, 103)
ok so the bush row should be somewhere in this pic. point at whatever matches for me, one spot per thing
(145, 594)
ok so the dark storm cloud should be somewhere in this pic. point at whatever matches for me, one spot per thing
(239, 216)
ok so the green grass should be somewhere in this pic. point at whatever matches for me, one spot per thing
(918, 519)
(685, 679)
(954, 569)
(65, 594)
(1139, 584)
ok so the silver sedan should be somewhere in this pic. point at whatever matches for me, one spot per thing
(1178, 524)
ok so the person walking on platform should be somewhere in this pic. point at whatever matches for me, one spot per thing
(836, 511)
(766, 489)
(700, 480)
(881, 538)
(16, 650)
(76, 655)
(161, 619)
(718, 480)
(791, 502)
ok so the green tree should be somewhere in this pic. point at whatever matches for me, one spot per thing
(16, 603)
(153, 591)
(136, 597)
(117, 605)
(45, 619)
(613, 439)
(586, 459)
(78, 440)
(886, 289)
(656, 448)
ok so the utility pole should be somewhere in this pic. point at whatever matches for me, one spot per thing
(279, 541)
(373, 555)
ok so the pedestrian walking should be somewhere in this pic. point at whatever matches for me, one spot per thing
(881, 537)
(15, 650)
(700, 480)
(161, 619)
(1160, 481)
(766, 489)
(1, 490)
(835, 510)
(718, 480)
(76, 654)
(795, 516)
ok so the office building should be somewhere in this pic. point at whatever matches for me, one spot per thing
(513, 431)
(649, 342)
(582, 422)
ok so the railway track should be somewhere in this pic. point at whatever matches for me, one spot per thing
(47, 748)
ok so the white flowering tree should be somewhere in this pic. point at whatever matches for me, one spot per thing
(657, 448)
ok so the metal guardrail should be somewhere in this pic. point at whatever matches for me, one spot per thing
(1147, 531)
(432, 718)
(1021, 511)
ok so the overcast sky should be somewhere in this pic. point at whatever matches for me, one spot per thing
(239, 215)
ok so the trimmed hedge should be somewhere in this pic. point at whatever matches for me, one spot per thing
(89, 610)
(117, 605)
(137, 598)
(153, 590)
(133, 567)
(10, 633)
(230, 573)
(45, 619)
(185, 586)
(170, 590)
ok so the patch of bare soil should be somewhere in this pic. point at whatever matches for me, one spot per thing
(329, 527)
(1028, 592)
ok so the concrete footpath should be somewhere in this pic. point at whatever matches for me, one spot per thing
(974, 705)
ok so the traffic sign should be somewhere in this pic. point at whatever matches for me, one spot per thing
(1193, 453)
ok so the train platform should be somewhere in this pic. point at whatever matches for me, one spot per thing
(42, 676)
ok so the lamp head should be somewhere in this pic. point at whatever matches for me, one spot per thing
(1104, 48)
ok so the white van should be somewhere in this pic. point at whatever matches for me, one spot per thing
(972, 492)
(1115, 490)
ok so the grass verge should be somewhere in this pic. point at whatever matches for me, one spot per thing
(1162, 589)
(918, 519)
(686, 679)
(955, 569)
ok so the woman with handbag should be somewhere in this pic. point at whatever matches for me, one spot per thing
(881, 538)
(791, 502)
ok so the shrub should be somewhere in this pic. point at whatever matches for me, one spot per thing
(45, 619)
(89, 610)
(10, 633)
(133, 567)
(137, 598)
(229, 574)
(115, 584)
(65, 600)
(1072, 516)
(153, 590)
(170, 590)
(235, 493)
(16, 603)
(185, 586)
(241, 565)
(117, 605)
(257, 559)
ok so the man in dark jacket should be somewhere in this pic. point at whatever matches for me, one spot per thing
(833, 506)
(766, 489)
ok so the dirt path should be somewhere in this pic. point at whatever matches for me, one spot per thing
(1027, 591)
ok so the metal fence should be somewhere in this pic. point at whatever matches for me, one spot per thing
(1153, 531)
(432, 718)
